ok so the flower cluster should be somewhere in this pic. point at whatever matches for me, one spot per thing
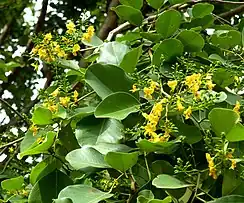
(88, 35)
(211, 166)
(148, 91)
(193, 82)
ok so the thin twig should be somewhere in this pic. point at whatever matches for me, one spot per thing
(195, 194)
(11, 143)
(87, 95)
(12, 109)
(148, 170)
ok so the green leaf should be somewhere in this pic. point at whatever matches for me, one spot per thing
(226, 38)
(133, 15)
(154, 37)
(37, 148)
(156, 4)
(121, 161)
(84, 193)
(107, 79)
(165, 49)
(130, 60)
(223, 78)
(61, 113)
(162, 167)
(222, 120)
(13, 183)
(67, 138)
(165, 181)
(112, 53)
(242, 37)
(63, 200)
(117, 105)
(192, 41)
(146, 193)
(86, 157)
(130, 36)
(160, 147)
(81, 112)
(177, 1)
(191, 133)
(95, 42)
(229, 199)
(232, 183)
(168, 23)
(104, 148)
(202, 9)
(72, 65)
(42, 116)
(133, 3)
(91, 131)
(47, 188)
(43, 168)
(236, 133)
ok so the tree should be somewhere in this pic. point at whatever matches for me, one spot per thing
(151, 114)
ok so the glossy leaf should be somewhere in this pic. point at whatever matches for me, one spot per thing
(130, 60)
(112, 53)
(107, 79)
(86, 157)
(91, 131)
(133, 3)
(42, 116)
(156, 4)
(160, 147)
(84, 193)
(192, 41)
(165, 49)
(13, 183)
(48, 188)
(202, 9)
(133, 15)
(168, 23)
(229, 199)
(118, 106)
(236, 133)
(165, 181)
(121, 161)
(223, 120)
(39, 147)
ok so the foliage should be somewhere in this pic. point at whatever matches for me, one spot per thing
(153, 116)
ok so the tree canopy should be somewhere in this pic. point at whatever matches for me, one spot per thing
(121, 101)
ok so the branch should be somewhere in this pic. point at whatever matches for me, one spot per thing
(5, 31)
(12, 109)
(110, 22)
(236, 11)
(11, 143)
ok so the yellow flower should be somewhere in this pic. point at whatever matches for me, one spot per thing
(233, 164)
(71, 27)
(76, 94)
(76, 48)
(48, 37)
(11, 149)
(211, 166)
(153, 84)
(40, 140)
(210, 85)
(42, 53)
(34, 129)
(24, 193)
(172, 84)
(165, 137)
(53, 108)
(62, 53)
(134, 88)
(179, 105)
(237, 107)
(90, 30)
(35, 50)
(55, 93)
(188, 112)
(164, 100)
(193, 82)
(157, 109)
(150, 130)
(148, 92)
(64, 101)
